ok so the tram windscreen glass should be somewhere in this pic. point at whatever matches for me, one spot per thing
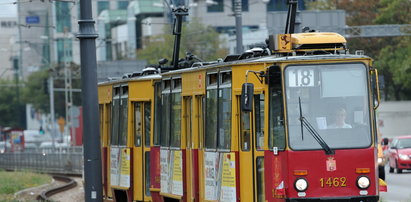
(334, 100)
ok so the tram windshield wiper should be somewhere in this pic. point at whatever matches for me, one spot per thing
(305, 123)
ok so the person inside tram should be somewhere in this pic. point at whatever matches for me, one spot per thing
(340, 116)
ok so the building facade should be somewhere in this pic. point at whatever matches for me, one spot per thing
(9, 47)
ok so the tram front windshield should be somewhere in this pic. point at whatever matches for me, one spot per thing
(333, 99)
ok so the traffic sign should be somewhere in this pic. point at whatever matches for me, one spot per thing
(32, 19)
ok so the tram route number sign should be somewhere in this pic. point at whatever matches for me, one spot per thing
(301, 78)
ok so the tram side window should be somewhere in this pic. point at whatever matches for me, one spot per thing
(176, 120)
(165, 121)
(101, 116)
(276, 120)
(245, 130)
(211, 112)
(158, 114)
(120, 116)
(259, 120)
(147, 123)
(122, 140)
(137, 124)
(171, 113)
(218, 113)
(225, 118)
(107, 122)
(115, 121)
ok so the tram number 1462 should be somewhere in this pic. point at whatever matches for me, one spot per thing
(333, 182)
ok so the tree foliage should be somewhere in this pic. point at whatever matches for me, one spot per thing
(392, 54)
(33, 91)
(10, 107)
(394, 59)
(198, 39)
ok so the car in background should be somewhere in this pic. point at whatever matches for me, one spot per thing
(399, 154)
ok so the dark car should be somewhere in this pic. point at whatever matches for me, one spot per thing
(399, 154)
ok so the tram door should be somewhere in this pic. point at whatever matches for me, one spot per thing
(251, 152)
(141, 150)
(189, 148)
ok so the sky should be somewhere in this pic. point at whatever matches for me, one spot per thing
(7, 8)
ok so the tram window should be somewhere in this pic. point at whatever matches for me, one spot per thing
(188, 125)
(122, 140)
(276, 120)
(165, 120)
(201, 112)
(211, 120)
(225, 77)
(260, 179)
(137, 124)
(339, 111)
(175, 120)
(115, 121)
(225, 118)
(158, 114)
(107, 122)
(147, 173)
(147, 123)
(218, 111)
(212, 79)
(259, 120)
(101, 116)
(245, 130)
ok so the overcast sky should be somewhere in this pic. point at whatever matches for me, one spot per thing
(7, 8)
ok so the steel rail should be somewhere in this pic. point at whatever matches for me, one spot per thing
(69, 183)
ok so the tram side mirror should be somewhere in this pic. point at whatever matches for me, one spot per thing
(247, 95)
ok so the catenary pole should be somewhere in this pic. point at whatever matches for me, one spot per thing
(92, 156)
(238, 25)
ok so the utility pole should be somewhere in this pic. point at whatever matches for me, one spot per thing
(68, 95)
(238, 25)
(92, 155)
(51, 94)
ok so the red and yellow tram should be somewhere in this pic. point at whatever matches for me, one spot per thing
(296, 125)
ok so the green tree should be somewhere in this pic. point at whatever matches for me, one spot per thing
(34, 91)
(392, 54)
(198, 39)
(394, 60)
(10, 108)
(320, 4)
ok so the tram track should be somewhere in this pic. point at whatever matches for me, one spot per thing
(69, 183)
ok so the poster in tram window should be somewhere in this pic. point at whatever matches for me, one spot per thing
(125, 168)
(177, 179)
(220, 176)
(164, 171)
(211, 174)
(228, 184)
(114, 166)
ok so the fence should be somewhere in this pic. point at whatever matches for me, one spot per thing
(61, 160)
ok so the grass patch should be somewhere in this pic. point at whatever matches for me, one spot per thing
(12, 182)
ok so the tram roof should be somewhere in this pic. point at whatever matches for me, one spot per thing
(269, 59)
(258, 60)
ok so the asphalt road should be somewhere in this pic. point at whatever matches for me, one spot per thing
(399, 187)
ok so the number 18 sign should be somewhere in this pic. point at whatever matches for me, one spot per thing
(301, 78)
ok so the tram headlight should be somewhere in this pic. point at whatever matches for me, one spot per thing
(301, 184)
(363, 182)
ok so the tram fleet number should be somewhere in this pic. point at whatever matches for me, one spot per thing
(333, 182)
